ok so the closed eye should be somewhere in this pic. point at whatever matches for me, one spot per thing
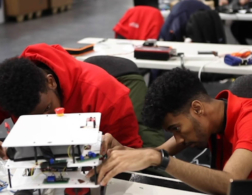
(174, 128)
(48, 107)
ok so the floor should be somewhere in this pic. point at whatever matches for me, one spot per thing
(87, 18)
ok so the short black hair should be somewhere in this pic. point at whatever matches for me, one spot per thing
(171, 93)
(242, 87)
(21, 81)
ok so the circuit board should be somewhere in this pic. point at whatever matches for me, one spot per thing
(57, 181)
(88, 159)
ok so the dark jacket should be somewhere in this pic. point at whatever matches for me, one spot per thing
(174, 28)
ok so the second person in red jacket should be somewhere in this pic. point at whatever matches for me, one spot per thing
(46, 77)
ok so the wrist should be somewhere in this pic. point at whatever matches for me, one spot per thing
(155, 157)
(127, 148)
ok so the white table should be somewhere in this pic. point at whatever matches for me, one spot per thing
(165, 13)
(236, 16)
(192, 61)
(223, 16)
(122, 187)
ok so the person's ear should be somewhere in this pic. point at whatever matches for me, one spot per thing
(52, 84)
(197, 108)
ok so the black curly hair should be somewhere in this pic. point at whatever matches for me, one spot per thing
(172, 93)
(20, 83)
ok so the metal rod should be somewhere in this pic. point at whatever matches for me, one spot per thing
(73, 154)
(103, 190)
(35, 155)
(76, 191)
(79, 150)
(182, 61)
(39, 192)
(95, 175)
(9, 176)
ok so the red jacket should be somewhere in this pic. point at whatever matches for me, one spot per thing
(89, 88)
(141, 23)
(238, 132)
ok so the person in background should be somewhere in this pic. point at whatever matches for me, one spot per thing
(241, 30)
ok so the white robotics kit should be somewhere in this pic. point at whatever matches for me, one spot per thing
(54, 151)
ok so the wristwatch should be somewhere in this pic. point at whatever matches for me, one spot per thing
(165, 160)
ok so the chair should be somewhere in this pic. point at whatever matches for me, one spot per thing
(153, 3)
(242, 86)
(201, 31)
(140, 23)
(126, 72)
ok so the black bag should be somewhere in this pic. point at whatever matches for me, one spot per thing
(206, 27)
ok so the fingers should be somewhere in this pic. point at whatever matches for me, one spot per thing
(2, 151)
(92, 172)
(106, 142)
(114, 149)
(112, 173)
(106, 167)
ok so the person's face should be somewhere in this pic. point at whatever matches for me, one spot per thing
(192, 128)
(49, 100)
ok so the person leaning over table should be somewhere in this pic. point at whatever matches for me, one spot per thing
(178, 102)
(45, 77)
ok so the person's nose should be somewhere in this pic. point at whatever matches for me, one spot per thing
(179, 139)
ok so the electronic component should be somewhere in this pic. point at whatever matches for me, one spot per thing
(51, 179)
(87, 147)
(91, 122)
(56, 166)
(150, 42)
(54, 180)
(60, 111)
(154, 53)
(79, 191)
(90, 156)
(3, 185)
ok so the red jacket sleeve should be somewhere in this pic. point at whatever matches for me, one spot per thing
(244, 132)
(120, 121)
(3, 116)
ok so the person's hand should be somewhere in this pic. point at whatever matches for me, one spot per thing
(3, 152)
(126, 160)
(243, 2)
(223, 2)
(109, 143)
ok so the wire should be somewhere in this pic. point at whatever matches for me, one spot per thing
(4, 185)
(201, 68)
(68, 152)
(196, 161)
(32, 171)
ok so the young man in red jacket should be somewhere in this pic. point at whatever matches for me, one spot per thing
(46, 77)
(178, 102)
